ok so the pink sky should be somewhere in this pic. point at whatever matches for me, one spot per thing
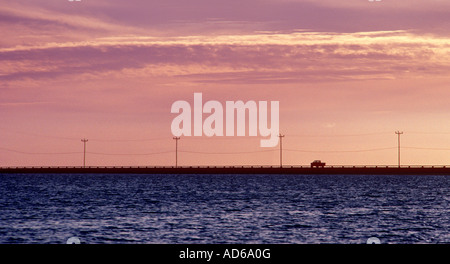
(347, 75)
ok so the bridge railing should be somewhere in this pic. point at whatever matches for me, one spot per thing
(230, 167)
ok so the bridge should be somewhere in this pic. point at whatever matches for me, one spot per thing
(363, 170)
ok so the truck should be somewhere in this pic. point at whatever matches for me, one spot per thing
(317, 164)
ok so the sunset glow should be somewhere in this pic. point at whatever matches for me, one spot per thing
(347, 75)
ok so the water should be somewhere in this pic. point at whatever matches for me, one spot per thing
(38, 208)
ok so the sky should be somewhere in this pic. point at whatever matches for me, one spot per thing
(347, 75)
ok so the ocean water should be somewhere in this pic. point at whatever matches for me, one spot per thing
(275, 209)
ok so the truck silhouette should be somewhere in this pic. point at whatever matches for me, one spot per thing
(317, 164)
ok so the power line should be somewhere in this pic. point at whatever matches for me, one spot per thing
(225, 153)
(198, 152)
(130, 154)
(339, 135)
(424, 148)
(81, 152)
(40, 153)
(127, 140)
(367, 134)
(13, 131)
(217, 153)
(193, 138)
(339, 151)
(428, 133)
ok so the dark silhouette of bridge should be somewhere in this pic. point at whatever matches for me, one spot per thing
(363, 170)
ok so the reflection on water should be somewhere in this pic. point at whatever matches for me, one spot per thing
(38, 208)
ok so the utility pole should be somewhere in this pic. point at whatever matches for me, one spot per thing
(84, 156)
(176, 151)
(398, 134)
(281, 149)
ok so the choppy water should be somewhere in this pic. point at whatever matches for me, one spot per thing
(224, 208)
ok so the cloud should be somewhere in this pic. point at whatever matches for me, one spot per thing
(115, 67)
(28, 24)
(36, 16)
(46, 21)
(301, 56)
(26, 104)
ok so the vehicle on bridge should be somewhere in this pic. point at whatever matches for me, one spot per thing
(317, 164)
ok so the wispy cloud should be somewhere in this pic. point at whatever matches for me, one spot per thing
(237, 58)
(112, 66)
(26, 104)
